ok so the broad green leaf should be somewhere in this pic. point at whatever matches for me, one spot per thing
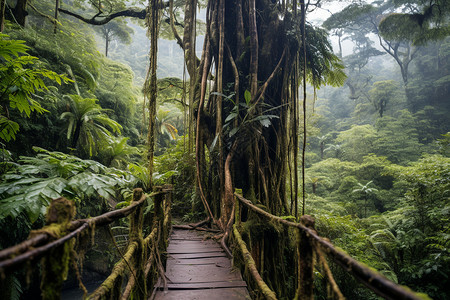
(247, 97)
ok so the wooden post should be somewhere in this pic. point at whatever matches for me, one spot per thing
(136, 219)
(139, 290)
(55, 265)
(305, 253)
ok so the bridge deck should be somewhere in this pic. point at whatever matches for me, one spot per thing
(199, 269)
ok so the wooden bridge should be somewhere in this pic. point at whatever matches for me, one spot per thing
(195, 267)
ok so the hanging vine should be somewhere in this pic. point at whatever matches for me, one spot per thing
(150, 88)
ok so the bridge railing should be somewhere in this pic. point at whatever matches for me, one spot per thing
(54, 244)
(311, 249)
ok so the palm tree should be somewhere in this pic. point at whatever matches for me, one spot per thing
(87, 123)
(165, 119)
(322, 139)
(338, 151)
(365, 190)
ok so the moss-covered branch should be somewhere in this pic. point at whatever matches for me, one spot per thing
(105, 290)
(250, 263)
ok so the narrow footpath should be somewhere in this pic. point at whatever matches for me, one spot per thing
(199, 269)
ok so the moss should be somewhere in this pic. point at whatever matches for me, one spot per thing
(60, 211)
(55, 268)
(55, 265)
(266, 240)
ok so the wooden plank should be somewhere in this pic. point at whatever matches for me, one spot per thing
(221, 261)
(175, 239)
(203, 285)
(197, 268)
(200, 273)
(199, 244)
(186, 233)
(191, 242)
(193, 250)
(204, 294)
(196, 255)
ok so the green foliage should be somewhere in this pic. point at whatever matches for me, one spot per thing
(426, 21)
(444, 145)
(366, 192)
(116, 152)
(30, 185)
(323, 66)
(382, 94)
(357, 142)
(167, 120)
(87, 124)
(332, 171)
(178, 167)
(398, 138)
(348, 234)
(18, 84)
(71, 51)
(117, 93)
(247, 115)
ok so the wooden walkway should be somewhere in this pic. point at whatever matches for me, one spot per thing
(199, 269)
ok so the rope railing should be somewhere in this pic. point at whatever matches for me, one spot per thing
(310, 244)
(54, 244)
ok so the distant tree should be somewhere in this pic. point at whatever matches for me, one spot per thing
(429, 88)
(116, 30)
(397, 138)
(322, 139)
(382, 93)
(357, 142)
(366, 192)
(419, 22)
(365, 19)
(349, 25)
(399, 34)
(335, 149)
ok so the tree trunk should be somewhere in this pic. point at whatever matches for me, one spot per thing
(254, 156)
(2, 15)
(76, 135)
(56, 16)
(150, 88)
(106, 45)
(20, 12)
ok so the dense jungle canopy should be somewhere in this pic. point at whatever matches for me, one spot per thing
(337, 109)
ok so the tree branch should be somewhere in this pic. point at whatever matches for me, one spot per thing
(94, 21)
(172, 25)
